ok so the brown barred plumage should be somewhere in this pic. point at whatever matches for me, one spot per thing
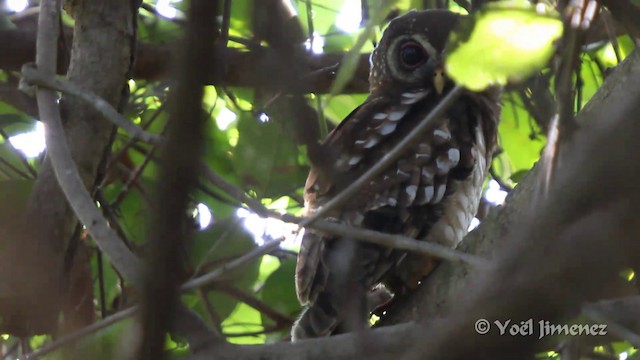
(431, 193)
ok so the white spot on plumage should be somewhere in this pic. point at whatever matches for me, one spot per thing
(371, 142)
(443, 165)
(397, 114)
(428, 193)
(409, 100)
(380, 116)
(414, 95)
(355, 159)
(392, 201)
(454, 156)
(462, 203)
(442, 134)
(411, 191)
(386, 128)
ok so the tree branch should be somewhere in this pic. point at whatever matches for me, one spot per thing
(36, 77)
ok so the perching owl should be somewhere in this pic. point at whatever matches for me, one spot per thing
(431, 193)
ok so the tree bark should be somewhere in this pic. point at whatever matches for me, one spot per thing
(40, 255)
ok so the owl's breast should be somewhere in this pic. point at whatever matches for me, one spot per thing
(461, 205)
(451, 224)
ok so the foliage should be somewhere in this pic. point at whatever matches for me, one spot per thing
(503, 42)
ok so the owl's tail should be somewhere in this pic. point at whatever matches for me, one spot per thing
(317, 320)
(322, 319)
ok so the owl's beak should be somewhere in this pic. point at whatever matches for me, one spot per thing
(439, 79)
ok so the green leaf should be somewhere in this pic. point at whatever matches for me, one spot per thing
(133, 210)
(338, 107)
(7, 120)
(519, 139)
(266, 159)
(503, 42)
(280, 294)
(244, 319)
(222, 242)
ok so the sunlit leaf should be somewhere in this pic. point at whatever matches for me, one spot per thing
(504, 42)
(244, 319)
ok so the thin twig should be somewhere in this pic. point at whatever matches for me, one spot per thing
(232, 265)
(427, 123)
(233, 191)
(98, 325)
(392, 241)
(38, 77)
(133, 177)
(210, 312)
(255, 303)
(21, 173)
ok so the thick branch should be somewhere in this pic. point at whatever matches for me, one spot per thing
(36, 77)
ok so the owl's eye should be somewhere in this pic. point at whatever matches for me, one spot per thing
(412, 55)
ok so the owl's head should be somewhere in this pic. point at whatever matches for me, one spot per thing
(411, 52)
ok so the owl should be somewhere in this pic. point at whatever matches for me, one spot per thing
(431, 193)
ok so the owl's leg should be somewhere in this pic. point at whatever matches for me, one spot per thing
(341, 306)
